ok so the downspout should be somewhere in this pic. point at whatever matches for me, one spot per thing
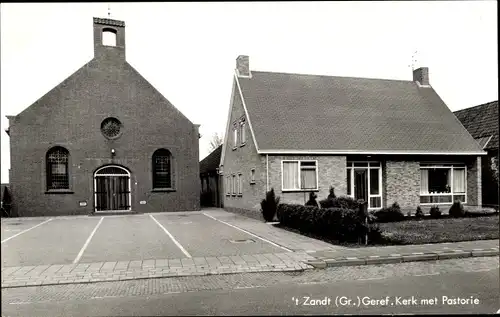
(267, 173)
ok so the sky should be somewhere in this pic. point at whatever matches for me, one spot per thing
(188, 50)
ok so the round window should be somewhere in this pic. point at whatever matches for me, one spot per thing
(111, 128)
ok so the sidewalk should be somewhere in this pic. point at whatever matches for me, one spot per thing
(131, 270)
(405, 253)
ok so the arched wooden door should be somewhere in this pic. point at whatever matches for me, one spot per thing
(112, 189)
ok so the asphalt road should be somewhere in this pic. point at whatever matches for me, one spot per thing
(408, 288)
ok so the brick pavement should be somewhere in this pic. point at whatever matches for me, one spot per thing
(130, 270)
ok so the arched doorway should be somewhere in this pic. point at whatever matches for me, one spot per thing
(112, 189)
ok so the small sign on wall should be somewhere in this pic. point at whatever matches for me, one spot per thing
(142, 202)
(82, 203)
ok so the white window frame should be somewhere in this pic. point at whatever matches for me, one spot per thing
(240, 184)
(252, 176)
(235, 136)
(233, 190)
(300, 189)
(451, 167)
(243, 134)
(228, 185)
(351, 165)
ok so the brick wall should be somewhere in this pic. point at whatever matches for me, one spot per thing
(70, 115)
(331, 172)
(401, 182)
(242, 160)
(474, 184)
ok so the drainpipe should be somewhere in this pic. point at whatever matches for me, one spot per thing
(267, 173)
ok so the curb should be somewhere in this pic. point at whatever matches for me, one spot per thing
(401, 258)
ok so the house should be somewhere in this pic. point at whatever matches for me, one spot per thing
(103, 140)
(482, 123)
(380, 140)
(211, 185)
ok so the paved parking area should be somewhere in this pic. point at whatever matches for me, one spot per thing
(73, 240)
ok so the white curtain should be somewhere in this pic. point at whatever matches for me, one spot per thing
(459, 181)
(424, 181)
(308, 178)
(291, 175)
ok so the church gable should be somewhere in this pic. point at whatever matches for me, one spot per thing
(107, 84)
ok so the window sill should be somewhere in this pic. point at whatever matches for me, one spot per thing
(252, 183)
(162, 190)
(234, 148)
(59, 191)
(242, 144)
(299, 190)
(240, 195)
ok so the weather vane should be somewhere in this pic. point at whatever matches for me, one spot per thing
(413, 60)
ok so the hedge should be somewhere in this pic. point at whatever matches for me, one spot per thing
(340, 224)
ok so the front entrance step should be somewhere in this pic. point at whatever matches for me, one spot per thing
(114, 213)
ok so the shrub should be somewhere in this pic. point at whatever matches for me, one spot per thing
(312, 200)
(331, 195)
(345, 202)
(341, 224)
(457, 210)
(269, 205)
(435, 213)
(390, 214)
(419, 213)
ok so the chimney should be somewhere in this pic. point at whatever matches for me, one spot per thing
(243, 66)
(421, 75)
(109, 39)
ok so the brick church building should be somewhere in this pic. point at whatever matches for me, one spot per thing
(103, 140)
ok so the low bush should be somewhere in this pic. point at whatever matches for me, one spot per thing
(340, 224)
(312, 200)
(435, 212)
(345, 202)
(419, 213)
(457, 210)
(331, 195)
(269, 205)
(390, 214)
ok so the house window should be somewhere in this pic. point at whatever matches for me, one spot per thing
(162, 176)
(240, 184)
(252, 176)
(299, 175)
(235, 137)
(234, 185)
(364, 181)
(243, 134)
(228, 185)
(57, 168)
(443, 183)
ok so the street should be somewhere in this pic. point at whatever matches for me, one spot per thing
(467, 286)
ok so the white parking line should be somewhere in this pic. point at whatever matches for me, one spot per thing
(171, 237)
(253, 235)
(87, 242)
(5, 240)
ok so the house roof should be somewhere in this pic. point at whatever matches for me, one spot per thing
(325, 113)
(482, 123)
(211, 162)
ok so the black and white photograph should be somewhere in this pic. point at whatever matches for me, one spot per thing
(249, 158)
